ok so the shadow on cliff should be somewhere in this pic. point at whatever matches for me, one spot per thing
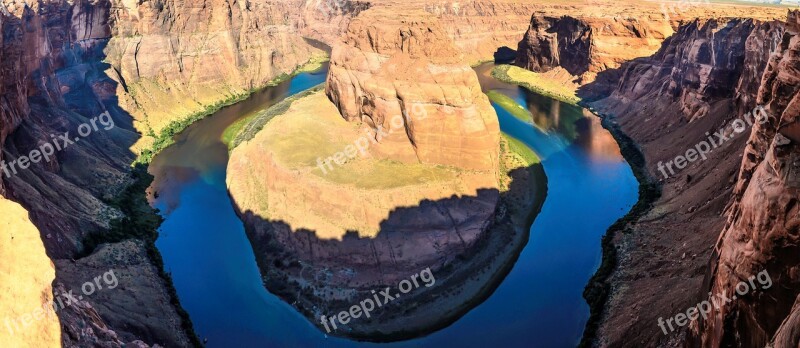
(89, 181)
(469, 257)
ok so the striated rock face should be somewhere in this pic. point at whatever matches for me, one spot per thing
(479, 28)
(147, 64)
(387, 66)
(763, 227)
(134, 308)
(175, 58)
(585, 46)
(549, 39)
(702, 80)
(575, 42)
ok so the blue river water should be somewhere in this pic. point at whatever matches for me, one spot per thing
(539, 304)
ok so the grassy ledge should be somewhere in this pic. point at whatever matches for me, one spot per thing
(510, 105)
(598, 289)
(141, 221)
(165, 138)
(535, 82)
(246, 129)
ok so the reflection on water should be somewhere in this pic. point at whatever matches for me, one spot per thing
(539, 303)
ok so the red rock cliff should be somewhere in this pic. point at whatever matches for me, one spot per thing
(704, 78)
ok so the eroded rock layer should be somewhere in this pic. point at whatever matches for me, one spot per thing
(707, 83)
(763, 227)
(586, 40)
(395, 167)
(406, 69)
(145, 65)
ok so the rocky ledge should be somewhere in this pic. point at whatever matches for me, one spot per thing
(395, 169)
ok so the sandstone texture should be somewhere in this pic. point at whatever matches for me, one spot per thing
(148, 65)
(421, 187)
(427, 170)
(25, 283)
(763, 226)
(174, 59)
(134, 309)
(704, 78)
(155, 64)
(320, 252)
(584, 40)
(407, 67)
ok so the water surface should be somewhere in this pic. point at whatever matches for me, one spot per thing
(538, 304)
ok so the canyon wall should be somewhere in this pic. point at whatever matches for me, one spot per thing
(174, 59)
(146, 65)
(26, 277)
(573, 43)
(763, 227)
(586, 46)
(706, 79)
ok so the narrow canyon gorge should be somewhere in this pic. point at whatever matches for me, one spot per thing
(397, 163)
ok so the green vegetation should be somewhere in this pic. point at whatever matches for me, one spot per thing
(167, 135)
(535, 82)
(248, 130)
(510, 105)
(140, 222)
(519, 148)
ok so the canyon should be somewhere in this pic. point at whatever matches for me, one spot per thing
(430, 190)
(674, 256)
(156, 66)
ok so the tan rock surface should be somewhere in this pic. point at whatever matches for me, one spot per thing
(406, 65)
(26, 274)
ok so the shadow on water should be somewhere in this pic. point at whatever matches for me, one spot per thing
(540, 300)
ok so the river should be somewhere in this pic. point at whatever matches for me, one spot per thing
(539, 304)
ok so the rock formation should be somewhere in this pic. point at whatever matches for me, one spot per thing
(419, 75)
(762, 231)
(419, 155)
(147, 65)
(152, 64)
(586, 40)
(708, 77)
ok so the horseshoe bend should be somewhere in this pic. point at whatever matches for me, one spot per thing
(311, 173)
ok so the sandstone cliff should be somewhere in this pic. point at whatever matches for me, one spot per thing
(703, 79)
(177, 58)
(417, 75)
(762, 232)
(25, 283)
(575, 42)
(146, 64)
(419, 188)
